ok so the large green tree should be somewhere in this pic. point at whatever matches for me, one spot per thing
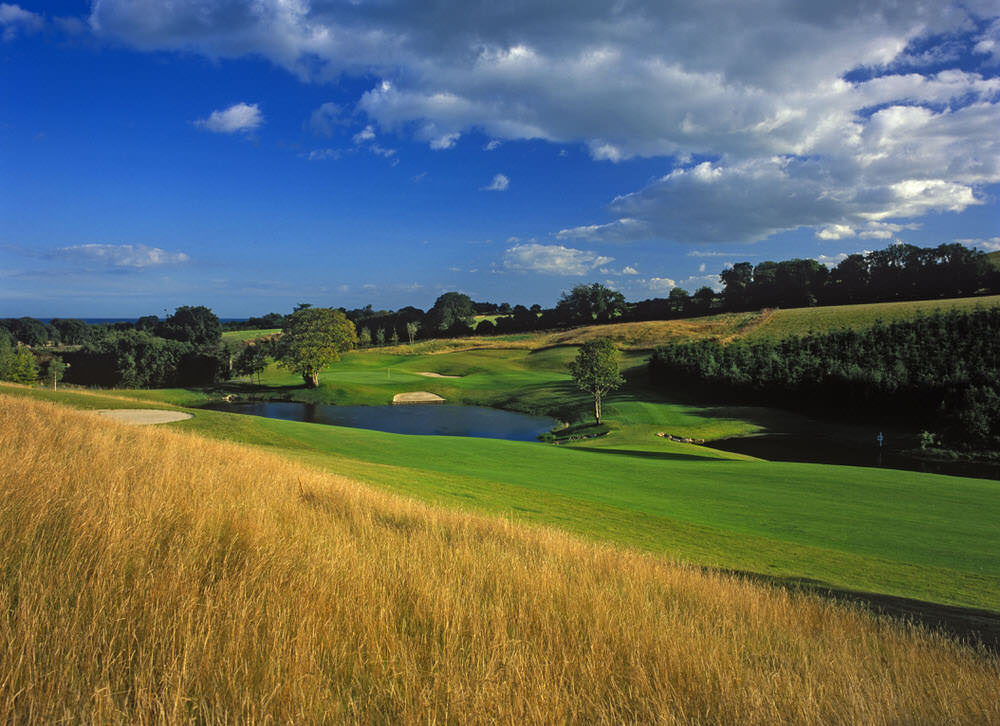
(450, 309)
(313, 338)
(597, 370)
(585, 304)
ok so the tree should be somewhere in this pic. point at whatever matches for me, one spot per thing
(588, 303)
(380, 337)
(450, 308)
(411, 330)
(25, 366)
(54, 370)
(71, 330)
(313, 338)
(365, 338)
(196, 325)
(395, 337)
(597, 370)
(251, 361)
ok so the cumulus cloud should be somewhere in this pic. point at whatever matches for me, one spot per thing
(122, 257)
(14, 19)
(552, 259)
(499, 184)
(820, 115)
(239, 117)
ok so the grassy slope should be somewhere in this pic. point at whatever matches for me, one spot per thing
(884, 531)
(916, 535)
(154, 577)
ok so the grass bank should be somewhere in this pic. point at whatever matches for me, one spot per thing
(155, 576)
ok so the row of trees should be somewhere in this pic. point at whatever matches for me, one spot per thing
(941, 371)
(899, 272)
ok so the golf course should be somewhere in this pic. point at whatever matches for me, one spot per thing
(926, 539)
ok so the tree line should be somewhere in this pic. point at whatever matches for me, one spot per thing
(940, 371)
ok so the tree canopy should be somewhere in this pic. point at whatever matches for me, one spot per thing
(589, 303)
(313, 338)
(196, 325)
(449, 310)
(597, 370)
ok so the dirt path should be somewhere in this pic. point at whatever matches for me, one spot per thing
(434, 375)
(142, 416)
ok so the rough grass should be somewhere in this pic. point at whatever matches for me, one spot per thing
(154, 577)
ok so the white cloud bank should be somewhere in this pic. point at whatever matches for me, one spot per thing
(128, 257)
(552, 259)
(239, 117)
(773, 129)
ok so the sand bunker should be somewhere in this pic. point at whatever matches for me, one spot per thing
(143, 416)
(434, 375)
(417, 397)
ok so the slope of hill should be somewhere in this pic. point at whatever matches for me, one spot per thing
(151, 575)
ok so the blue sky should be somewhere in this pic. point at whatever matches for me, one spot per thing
(251, 156)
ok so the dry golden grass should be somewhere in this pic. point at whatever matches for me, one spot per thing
(151, 576)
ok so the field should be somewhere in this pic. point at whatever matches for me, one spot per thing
(154, 576)
(240, 336)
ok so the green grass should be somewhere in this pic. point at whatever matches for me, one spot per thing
(245, 335)
(915, 535)
(802, 321)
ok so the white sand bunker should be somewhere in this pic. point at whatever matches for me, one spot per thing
(434, 375)
(143, 416)
(417, 397)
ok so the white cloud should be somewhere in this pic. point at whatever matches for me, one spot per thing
(444, 141)
(243, 117)
(492, 145)
(365, 134)
(701, 267)
(382, 151)
(499, 184)
(831, 260)
(325, 119)
(323, 155)
(660, 284)
(134, 257)
(627, 270)
(622, 230)
(791, 134)
(14, 19)
(552, 259)
(990, 245)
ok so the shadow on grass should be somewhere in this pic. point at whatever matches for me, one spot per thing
(666, 455)
(972, 626)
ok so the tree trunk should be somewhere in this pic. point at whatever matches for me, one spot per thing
(597, 406)
(311, 379)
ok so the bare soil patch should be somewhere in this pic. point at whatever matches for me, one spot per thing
(429, 374)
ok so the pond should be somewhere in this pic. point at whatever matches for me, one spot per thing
(420, 419)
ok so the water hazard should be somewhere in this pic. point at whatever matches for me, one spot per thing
(419, 419)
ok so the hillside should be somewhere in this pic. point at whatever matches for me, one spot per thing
(777, 323)
(156, 576)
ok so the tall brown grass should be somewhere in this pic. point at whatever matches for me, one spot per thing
(150, 576)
